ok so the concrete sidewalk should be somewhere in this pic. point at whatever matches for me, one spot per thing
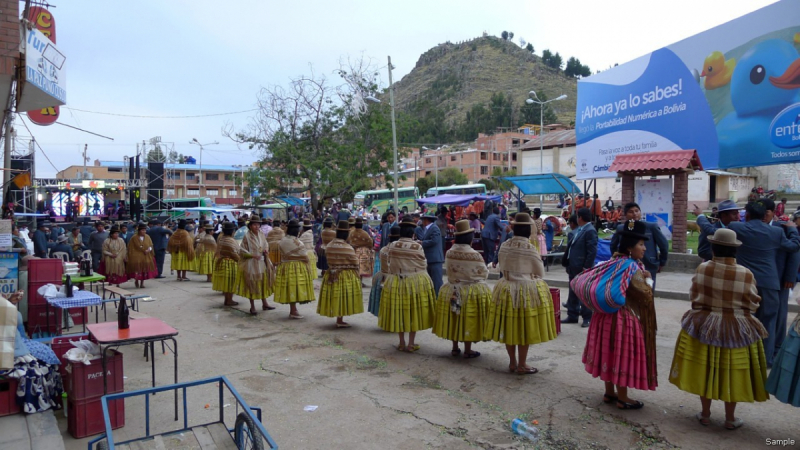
(30, 432)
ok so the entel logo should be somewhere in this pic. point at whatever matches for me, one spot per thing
(584, 169)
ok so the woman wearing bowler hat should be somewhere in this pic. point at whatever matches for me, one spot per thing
(181, 249)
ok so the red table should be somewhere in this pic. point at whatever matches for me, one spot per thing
(142, 331)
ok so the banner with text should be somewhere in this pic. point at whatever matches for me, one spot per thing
(732, 93)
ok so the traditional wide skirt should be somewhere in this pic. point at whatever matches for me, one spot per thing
(407, 303)
(112, 276)
(615, 350)
(528, 320)
(244, 291)
(226, 276)
(717, 373)
(374, 305)
(542, 245)
(462, 314)
(366, 261)
(293, 283)
(179, 261)
(142, 275)
(341, 296)
(784, 378)
(275, 255)
(312, 260)
(204, 263)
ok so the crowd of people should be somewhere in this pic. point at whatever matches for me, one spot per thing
(733, 334)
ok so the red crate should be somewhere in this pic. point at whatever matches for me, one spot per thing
(555, 294)
(85, 417)
(60, 345)
(33, 295)
(8, 397)
(38, 322)
(78, 315)
(45, 270)
(86, 381)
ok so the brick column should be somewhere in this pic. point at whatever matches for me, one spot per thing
(9, 36)
(628, 193)
(680, 204)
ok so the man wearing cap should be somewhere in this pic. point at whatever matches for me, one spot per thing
(62, 246)
(96, 240)
(431, 240)
(40, 241)
(491, 231)
(579, 256)
(655, 257)
(762, 245)
(160, 236)
(727, 212)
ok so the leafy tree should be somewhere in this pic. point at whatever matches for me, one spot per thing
(522, 42)
(531, 113)
(575, 69)
(447, 177)
(501, 185)
(313, 136)
(552, 60)
(510, 35)
(529, 47)
(155, 155)
(546, 55)
(504, 35)
(175, 157)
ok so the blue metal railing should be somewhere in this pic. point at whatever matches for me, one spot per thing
(221, 381)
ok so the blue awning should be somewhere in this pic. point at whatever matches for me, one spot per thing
(291, 201)
(456, 199)
(545, 183)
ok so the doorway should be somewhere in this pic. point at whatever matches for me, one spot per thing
(712, 189)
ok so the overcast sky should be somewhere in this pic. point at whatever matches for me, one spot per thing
(184, 58)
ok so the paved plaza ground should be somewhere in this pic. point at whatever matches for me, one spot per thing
(370, 396)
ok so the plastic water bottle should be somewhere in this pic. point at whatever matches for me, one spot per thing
(524, 429)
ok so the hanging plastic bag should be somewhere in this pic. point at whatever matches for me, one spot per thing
(83, 351)
(49, 290)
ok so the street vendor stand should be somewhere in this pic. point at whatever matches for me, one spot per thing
(462, 201)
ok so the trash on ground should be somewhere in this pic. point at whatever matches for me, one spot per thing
(310, 408)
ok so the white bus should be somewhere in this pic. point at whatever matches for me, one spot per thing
(458, 189)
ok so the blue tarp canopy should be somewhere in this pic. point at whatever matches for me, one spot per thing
(456, 200)
(544, 183)
(291, 201)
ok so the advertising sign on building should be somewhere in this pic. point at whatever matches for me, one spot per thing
(732, 93)
(45, 73)
(655, 200)
(9, 273)
(43, 20)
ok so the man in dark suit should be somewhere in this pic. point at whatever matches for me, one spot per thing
(390, 222)
(762, 246)
(491, 231)
(655, 257)
(431, 239)
(579, 256)
(159, 235)
(727, 211)
(788, 263)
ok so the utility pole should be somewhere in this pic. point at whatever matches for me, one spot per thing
(85, 160)
(7, 152)
(394, 137)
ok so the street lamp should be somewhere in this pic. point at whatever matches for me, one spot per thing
(372, 99)
(531, 101)
(195, 141)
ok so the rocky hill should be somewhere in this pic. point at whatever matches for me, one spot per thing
(455, 77)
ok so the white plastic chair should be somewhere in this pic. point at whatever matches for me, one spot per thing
(64, 256)
(86, 254)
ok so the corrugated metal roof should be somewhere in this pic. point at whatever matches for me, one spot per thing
(551, 139)
(674, 161)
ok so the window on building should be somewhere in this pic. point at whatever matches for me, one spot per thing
(190, 192)
(173, 175)
(233, 192)
(212, 177)
(513, 156)
(496, 156)
(484, 170)
(505, 169)
(190, 176)
(115, 169)
(505, 156)
(171, 192)
(212, 191)
(483, 156)
(228, 177)
(514, 168)
(453, 158)
(427, 160)
(427, 172)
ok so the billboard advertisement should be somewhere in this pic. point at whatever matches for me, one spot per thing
(43, 20)
(732, 93)
(45, 73)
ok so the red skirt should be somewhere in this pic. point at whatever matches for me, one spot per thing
(615, 350)
(113, 278)
(141, 276)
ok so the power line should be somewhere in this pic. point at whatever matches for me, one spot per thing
(37, 143)
(85, 131)
(160, 117)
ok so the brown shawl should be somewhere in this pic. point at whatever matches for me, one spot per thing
(327, 236)
(724, 298)
(359, 238)
(206, 244)
(227, 248)
(639, 301)
(341, 256)
(307, 238)
(253, 245)
(406, 257)
(114, 247)
(181, 242)
(140, 254)
(521, 266)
